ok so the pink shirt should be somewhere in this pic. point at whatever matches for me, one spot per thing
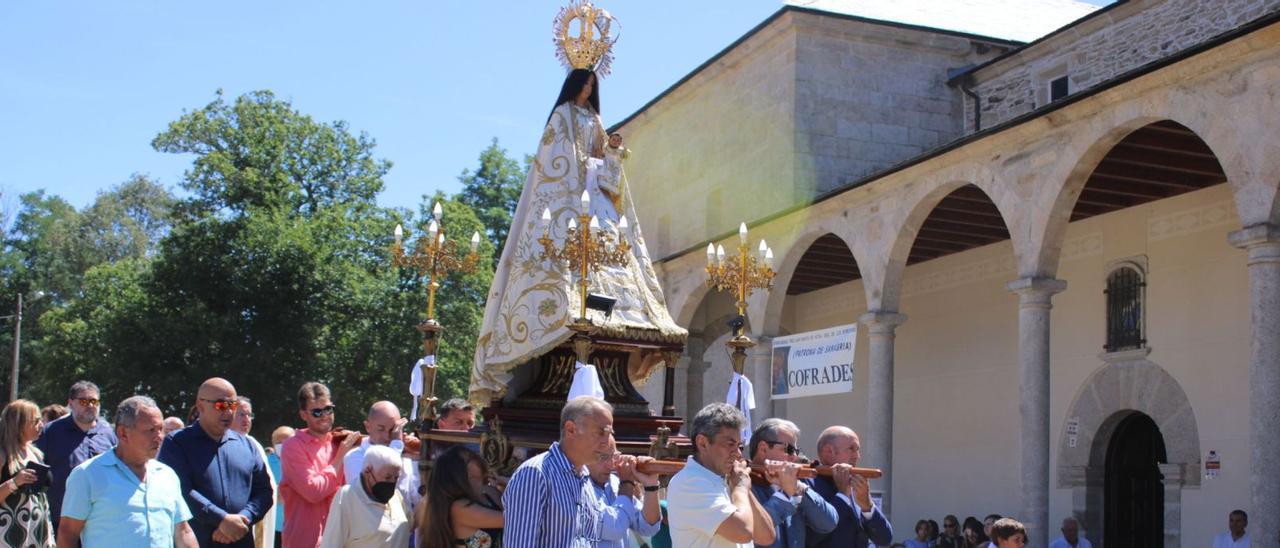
(310, 481)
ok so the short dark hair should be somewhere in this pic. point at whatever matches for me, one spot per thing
(1006, 528)
(311, 391)
(1241, 513)
(455, 404)
(713, 418)
(992, 517)
(81, 386)
(53, 412)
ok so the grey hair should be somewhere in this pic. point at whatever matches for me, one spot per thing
(580, 407)
(768, 431)
(127, 412)
(377, 457)
(82, 386)
(713, 418)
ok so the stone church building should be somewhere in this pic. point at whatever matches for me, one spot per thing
(1062, 250)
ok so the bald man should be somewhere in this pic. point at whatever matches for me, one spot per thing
(384, 426)
(859, 519)
(224, 480)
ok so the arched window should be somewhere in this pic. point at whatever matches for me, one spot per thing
(1125, 293)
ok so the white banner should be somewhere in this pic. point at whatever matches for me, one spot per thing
(813, 363)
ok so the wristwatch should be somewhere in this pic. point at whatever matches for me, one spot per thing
(652, 488)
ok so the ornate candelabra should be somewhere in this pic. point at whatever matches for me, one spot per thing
(433, 256)
(586, 248)
(743, 273)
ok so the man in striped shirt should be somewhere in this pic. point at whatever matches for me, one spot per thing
(549, 502)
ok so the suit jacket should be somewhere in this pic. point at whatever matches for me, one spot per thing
(790, 522)
(852, 530)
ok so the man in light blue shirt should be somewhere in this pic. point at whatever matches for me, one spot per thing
(624, 512)
(125, 497)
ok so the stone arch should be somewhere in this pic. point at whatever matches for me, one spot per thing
(1127, 384)
(688, 306)
(1123, 121)
(786, 270)
(890, 290)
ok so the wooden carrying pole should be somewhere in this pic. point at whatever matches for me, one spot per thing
(670, 467)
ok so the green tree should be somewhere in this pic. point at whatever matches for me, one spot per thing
(274, 271)
(53, 248)
(493, 190)
(258, 152)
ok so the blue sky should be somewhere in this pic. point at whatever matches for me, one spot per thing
(85, 86)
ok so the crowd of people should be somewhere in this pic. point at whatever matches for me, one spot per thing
(70, 479)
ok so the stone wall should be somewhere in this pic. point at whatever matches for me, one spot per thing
(1124, 38)
(869, 96)
(716, 149)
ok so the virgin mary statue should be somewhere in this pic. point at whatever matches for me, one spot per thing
(533, 300)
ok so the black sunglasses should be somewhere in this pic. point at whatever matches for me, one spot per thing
(322, 411)
(791, 449)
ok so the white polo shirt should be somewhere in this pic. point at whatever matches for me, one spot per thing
(697, 503)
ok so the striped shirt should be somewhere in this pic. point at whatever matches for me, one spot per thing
(549, 504)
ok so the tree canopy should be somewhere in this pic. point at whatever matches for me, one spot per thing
(273, 270)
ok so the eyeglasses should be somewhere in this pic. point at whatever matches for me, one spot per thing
(89, 402)
(322, 411)
(223, 405)
(246, 415)
(791, 449)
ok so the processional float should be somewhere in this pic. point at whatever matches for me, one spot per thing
(574, 296)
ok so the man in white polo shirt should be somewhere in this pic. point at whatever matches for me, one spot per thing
(709, 503)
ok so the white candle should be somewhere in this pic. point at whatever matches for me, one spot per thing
(546, 218)
(399, 234)
(763, 247)
(622, 223)
(742, 233)
(475, 241)
(432, 229)
(768, 258)
(595, 223)
(711, 253)
(719, 253)
(586, 202)
(573, 224)
(436, 211)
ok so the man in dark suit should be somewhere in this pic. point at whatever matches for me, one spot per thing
(860, 522)
(793, 505)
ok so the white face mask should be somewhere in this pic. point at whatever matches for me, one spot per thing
(398, 445)
(278, 447)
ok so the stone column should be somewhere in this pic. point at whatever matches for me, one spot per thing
(1263, 244)
(759, 369)
(877, 441)
(1035, 296)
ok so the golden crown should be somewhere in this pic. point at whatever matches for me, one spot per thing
(590, 49)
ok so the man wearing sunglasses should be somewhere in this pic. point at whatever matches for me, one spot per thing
(311, 464)
(224, 480)
(792, 503)
(73, 439)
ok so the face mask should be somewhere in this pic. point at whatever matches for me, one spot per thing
(383, 491)
(277, 447)
(397, 444)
